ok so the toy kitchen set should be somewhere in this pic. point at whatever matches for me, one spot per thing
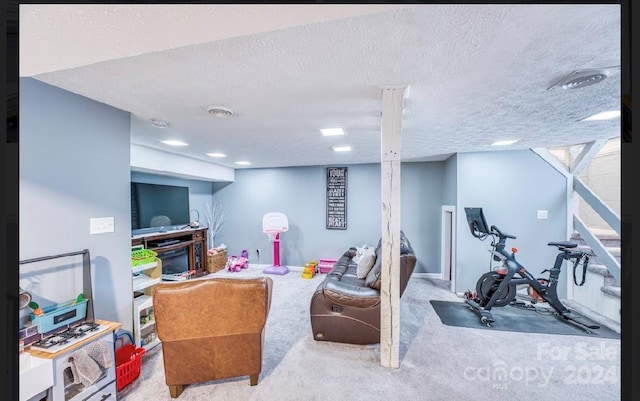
(65, 354)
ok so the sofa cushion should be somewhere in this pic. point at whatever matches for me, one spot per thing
(373, 277)
(366, 262)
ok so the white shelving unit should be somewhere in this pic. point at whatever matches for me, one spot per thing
(142, 281)
(144, 326)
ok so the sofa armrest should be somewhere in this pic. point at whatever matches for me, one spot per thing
(346, 294)
(342, 264)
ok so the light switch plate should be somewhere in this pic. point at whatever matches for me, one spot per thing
(100, 225)
(542, 214)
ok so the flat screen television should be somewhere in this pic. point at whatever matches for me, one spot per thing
(157, 207)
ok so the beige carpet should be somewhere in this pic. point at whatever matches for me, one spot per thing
(437, 362)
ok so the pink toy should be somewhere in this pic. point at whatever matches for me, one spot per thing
(274, 223)
(235, 264)
(325, 265)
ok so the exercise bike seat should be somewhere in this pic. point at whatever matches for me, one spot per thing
(563, 244)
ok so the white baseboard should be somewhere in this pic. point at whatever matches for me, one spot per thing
(436, 276)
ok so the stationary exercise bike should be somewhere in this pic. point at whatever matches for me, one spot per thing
(498, 287)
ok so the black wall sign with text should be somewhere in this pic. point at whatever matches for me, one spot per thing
(337, 198)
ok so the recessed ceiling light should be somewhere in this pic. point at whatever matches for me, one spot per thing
(174, 143)
(504, 143)
(332, 131)
(342, 148)
(159, 123)
(220, 111)
(216, 155)
(243, 163)
(604, 115)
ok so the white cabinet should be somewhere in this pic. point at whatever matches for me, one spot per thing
(144, 324)
(36, 376)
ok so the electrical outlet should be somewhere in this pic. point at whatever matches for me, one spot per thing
(101, 225)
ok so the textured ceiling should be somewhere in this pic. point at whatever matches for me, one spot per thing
(476, 74)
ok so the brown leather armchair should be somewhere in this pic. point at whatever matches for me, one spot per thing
(211, 328)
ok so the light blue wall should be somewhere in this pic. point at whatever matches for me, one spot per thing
(74, 165)
(449, 187)
(300, 193)
(510, 187)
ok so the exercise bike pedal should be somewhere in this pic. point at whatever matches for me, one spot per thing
(485, 316)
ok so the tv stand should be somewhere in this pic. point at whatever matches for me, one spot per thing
(167, 242)
(194, 241)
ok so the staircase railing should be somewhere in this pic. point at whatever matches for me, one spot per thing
(598, 206)
(590, 198)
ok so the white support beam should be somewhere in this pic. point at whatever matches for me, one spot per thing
(589, 151)
(392, 107)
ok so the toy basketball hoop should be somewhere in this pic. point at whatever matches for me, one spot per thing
(273, 224)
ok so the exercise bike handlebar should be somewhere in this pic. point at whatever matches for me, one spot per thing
(501, 234)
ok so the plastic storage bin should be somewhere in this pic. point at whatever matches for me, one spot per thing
(141, 256)
(60, 315)
(128, 361)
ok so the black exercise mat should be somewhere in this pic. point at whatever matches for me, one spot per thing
(511, 318)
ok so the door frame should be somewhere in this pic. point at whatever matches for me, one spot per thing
(448, 245)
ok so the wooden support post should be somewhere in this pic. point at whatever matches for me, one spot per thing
(392, 105)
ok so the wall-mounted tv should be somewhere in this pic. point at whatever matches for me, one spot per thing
(157, 207)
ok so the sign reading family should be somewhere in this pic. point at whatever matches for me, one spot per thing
(337, 198)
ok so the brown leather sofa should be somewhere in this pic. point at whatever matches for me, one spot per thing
(211, 328)
(346, 309)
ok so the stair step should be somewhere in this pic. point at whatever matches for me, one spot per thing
(616, 252)
(607, 240)
(591, 314)
(611, 290)
(609, 279)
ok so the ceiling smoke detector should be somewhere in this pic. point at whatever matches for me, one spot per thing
(581, 78)
(219, 111)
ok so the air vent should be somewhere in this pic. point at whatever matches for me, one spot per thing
(159, 123)
(220, 111)
(581, 78)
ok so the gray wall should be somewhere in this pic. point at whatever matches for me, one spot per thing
(511, 187)
(300, 193)
(74, 165)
